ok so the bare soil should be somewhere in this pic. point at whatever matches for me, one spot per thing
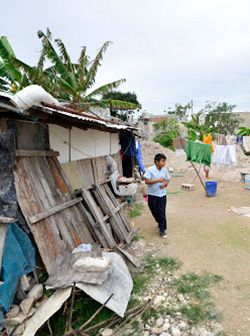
(207, 237)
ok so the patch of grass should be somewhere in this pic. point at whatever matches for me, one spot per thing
(196, 285)
(197, 288)
(137, 237)
(167, 264)
(84, 308)
(135, 210)
(142, 280)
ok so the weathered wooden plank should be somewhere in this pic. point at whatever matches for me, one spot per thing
(114, 213)
(100, 168)
(116, 203)
(86, 172)
(36, 218)
(109, 208)
(105, 208)
(38, 153)
(98, 217)
(40, 185)
(129, 256)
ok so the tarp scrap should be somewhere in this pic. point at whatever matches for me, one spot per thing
(243, 211)
(119, 283)
(18, 259)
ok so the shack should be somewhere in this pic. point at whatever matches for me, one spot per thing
(54, 184)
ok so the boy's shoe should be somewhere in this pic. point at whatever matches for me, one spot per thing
(163, 235)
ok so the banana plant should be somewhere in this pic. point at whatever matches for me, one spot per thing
(244, 131)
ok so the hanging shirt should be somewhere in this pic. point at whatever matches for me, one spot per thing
(198, 152)
(154, 173)
(208, 139)
(225, 155)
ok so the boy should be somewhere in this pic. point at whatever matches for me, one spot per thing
(157, 179)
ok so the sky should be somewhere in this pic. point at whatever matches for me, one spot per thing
(169, 51)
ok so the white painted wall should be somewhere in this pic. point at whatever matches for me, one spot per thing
(84, 143)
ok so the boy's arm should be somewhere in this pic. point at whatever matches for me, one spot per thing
(149, 180)
(153, 181)
(166, 180)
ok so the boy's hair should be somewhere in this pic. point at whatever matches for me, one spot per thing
(159, 157)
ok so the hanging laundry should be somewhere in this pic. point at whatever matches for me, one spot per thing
(139, 157)
(225, 155)
(239, 140)
(208, 139)
(231, 139)
(221, 139)
(198, 152)
(246, 143)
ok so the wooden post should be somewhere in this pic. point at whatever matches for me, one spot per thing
(198, 174)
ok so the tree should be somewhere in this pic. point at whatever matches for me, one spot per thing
(221, 118)
(66, 80)
(11, 79)
(180, 111)
(112, 101)
(213, 118)
(167, 130)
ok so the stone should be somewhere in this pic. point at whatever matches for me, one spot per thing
(16, 320)
(146, 333)
(36, 292)
(26, 305)
(175, 331)
(156, 330)
(166, 326)
(158, 300)
(165, 334)
(107, 332)
(14, 311)
(181, 297)
(159, 322)
(183, 325)
(20, 329)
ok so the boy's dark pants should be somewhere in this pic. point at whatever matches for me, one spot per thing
(157, 206)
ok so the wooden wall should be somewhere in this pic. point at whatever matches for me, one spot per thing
(86, 172)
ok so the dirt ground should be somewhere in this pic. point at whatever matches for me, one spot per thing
(207, 237)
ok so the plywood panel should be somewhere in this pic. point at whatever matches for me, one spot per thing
(40, 185)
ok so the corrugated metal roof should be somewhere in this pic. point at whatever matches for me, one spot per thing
(70, 114)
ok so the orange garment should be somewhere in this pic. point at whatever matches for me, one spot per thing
(208, 139)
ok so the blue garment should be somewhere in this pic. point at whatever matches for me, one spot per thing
(154, 173)
(128, 145)
(18, 259)
(139, 158)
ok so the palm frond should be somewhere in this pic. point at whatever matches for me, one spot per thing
(92, 71)
(106, 88)
(54, 57)
(81, 67)
(119, 105)
(6, 50)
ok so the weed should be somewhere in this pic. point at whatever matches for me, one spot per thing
(135, 210)
(137, 237)
(196, 286)
(150, 270)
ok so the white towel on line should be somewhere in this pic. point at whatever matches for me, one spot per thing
(225, 155)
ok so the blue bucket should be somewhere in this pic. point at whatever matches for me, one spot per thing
(211, 188)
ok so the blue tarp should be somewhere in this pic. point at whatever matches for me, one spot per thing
(18, 259)
(139, 158)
